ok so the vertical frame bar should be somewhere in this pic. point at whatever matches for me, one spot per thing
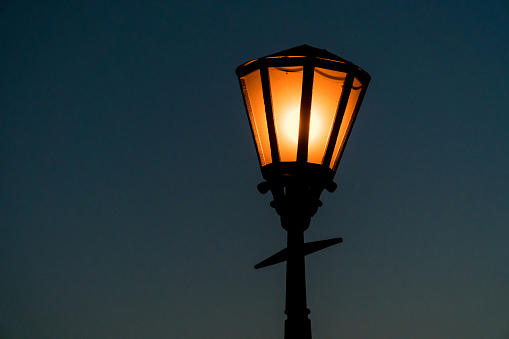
(333, 139)
(269, 113)
(246, 103)
(352, 121)
(305, 112)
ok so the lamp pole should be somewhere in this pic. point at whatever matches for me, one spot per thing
(297, 324)
(296, 203)
(299, 163)
(296, 212)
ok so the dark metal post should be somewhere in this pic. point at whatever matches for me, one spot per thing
(297, 324)
(296, 210)
(296, 202)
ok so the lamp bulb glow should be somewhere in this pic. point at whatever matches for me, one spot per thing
(291, 126)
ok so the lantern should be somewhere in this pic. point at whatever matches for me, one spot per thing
(302, 104)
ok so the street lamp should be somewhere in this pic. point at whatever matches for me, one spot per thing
(301, 103)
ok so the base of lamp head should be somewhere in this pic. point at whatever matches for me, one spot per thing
(296, 189)
(313, 176)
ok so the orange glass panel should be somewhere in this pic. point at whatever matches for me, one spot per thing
(327, 88)
(286, 92)
(252, 89)
(346, 123)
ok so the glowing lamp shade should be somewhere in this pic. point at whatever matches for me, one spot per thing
(301, 104)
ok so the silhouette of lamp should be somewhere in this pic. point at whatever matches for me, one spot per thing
(301, 104)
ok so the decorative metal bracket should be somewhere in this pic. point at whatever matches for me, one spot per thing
(309, 247)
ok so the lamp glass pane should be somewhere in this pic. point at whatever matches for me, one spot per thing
(253, 95)
(327, 88)
(346, 123)
(286, 92)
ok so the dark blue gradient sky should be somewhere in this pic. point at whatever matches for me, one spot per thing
(128, 175)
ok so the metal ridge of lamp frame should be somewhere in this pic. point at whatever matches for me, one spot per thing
(296, 186)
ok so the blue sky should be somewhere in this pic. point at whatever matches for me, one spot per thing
(128, 181)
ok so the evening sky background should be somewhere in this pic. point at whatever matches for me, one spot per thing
(128, 201)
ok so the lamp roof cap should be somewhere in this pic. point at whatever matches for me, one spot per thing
(319, 57)
(306, 50)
